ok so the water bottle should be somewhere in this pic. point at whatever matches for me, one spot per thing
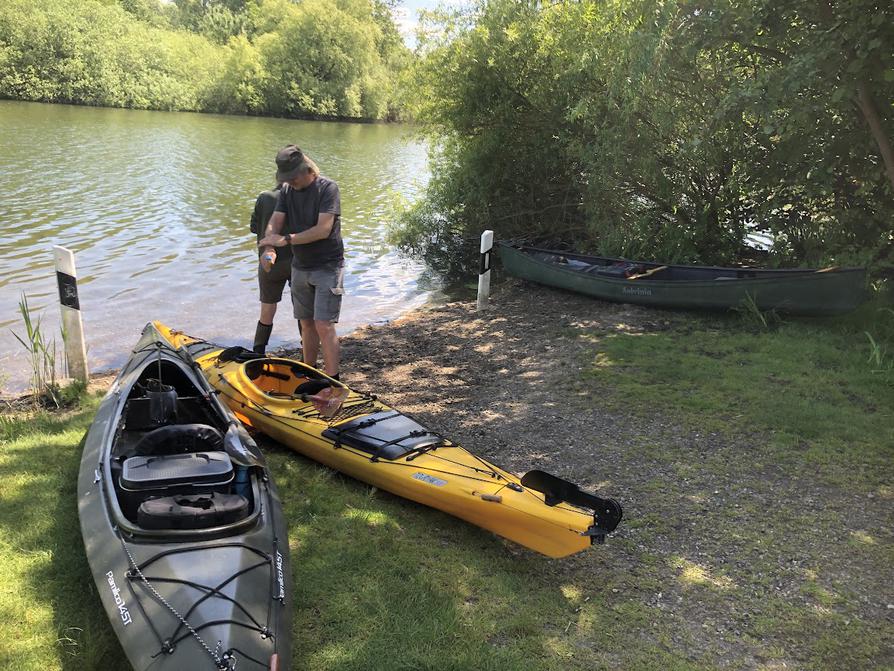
(242, 483)
(267, 260)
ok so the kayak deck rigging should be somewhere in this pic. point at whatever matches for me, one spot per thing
(168, 644)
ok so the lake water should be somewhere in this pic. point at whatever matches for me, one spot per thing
(156, 206)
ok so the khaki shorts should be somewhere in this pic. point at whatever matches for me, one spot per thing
(316, 294)
(271, 284)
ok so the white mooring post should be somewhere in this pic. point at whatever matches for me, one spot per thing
(487, 243)
(75, 345)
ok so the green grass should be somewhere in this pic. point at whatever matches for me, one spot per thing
(750, 549)
(781, 442)
(52, 617)
(380, 583)
(809, 389)
(383, 583)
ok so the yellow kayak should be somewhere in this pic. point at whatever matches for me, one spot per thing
(360, 436)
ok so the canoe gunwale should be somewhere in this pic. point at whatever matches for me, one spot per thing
(770, 273)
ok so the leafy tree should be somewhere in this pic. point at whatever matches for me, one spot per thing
(323, 60)
(240, 82)
(150, 11)
(230, 56)
(670, 130)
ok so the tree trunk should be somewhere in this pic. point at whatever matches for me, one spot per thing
(873, 119)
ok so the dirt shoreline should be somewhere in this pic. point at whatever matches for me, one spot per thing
(511, 383)
(719, 558)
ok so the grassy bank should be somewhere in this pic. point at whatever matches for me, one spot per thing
(51, 615)
(809, 387)
(770, 452)
(755, 469)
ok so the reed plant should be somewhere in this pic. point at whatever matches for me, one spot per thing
(751, 313)
(45, 387)
(880, 357)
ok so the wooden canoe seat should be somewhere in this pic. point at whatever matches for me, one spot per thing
(647, 273)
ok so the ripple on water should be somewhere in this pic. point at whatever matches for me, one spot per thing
(156, 206)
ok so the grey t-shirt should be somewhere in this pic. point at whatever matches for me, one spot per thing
(302, 208)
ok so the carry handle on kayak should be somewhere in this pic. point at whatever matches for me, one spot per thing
(556, 490)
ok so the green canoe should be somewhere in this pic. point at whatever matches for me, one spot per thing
(802, 291)
(182, 525)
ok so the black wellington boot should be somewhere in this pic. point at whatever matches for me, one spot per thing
(262, 337)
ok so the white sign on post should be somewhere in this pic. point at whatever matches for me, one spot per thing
(72, 325)
(487, 243)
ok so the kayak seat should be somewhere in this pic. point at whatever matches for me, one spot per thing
(155, 406)
(311, 387)
(180, 439)
(280, 369)
(149, 476)
(276, 377)
(384, 435)
(192, 511)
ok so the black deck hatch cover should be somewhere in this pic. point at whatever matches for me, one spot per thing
(385, 435)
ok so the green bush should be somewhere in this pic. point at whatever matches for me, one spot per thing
(647, 129)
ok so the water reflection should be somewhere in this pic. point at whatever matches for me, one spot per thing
(156, 205)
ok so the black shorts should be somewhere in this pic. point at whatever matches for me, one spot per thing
(272, 284)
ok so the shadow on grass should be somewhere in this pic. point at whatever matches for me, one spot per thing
(39, 520)
(384, 583)
(727, 555)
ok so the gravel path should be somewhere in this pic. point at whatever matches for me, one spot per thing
(737, 562)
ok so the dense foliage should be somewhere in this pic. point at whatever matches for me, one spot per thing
(674, 130)
(312, 58)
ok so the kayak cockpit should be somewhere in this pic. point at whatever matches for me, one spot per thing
(284, 378)
(293, 386)
(170, 471)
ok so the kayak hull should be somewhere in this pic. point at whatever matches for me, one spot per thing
(179, 598)
(446, 477)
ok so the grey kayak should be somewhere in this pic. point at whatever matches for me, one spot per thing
(182, 525)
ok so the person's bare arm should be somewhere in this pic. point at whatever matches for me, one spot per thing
(274, 226)
(268, 251)
(320, 231)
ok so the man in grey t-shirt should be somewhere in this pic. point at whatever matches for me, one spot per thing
(311, 205)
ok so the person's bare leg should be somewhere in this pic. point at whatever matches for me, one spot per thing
(330, 346)
(268, 311)
(310, 342)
